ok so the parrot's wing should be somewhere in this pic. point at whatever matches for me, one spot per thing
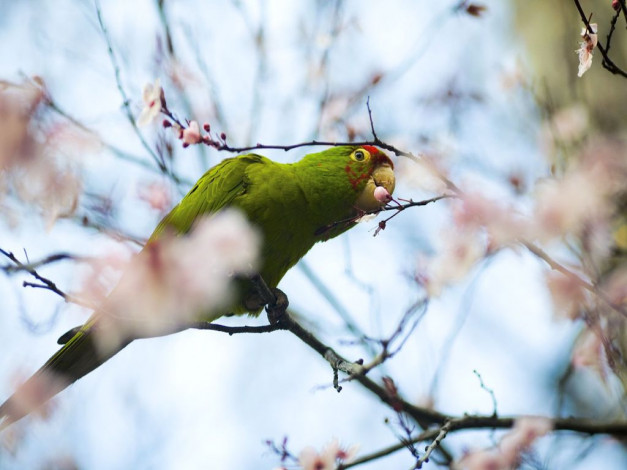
(214, 191)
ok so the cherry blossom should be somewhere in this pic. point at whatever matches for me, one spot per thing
(567, 294)
(506, 456)
(525, 432)
(191, 135)
(152, 96)
(156, 195)
(333, 453)
(586, 47)
(459, 251)
(175, 280)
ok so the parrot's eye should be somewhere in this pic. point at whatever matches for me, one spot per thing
(360, 155)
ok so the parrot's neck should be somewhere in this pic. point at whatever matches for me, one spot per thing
(329, 195)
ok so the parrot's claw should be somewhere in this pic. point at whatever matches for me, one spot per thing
(277, 309)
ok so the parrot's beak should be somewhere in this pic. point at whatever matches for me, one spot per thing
(382, 175)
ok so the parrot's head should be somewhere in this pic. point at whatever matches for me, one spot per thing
(347, 178)
(371, 173)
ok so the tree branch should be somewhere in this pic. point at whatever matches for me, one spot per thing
(608, 63)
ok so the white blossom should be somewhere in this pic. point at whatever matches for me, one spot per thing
(152, 103)
(586, 47)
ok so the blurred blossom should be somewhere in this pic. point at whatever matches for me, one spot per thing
(18, 104)
(513, 75)
(564, 205)
(28, 399)
(459, 251)
(103, 272)
(567, 294)
(525, 432)
(482, 460)
(583, 196)
(565, 126)
(152, 96)
(34, 154)
(425, 173)
(157, 195)
(615, 287)
(176, 280)
(588, 352)
(589, 42)
(55, 190)
(473, 211)
(182, 76)
(333, 453)
(191, 135)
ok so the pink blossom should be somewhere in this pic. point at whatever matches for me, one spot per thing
(525, 432)
(482, 460)
(33, 162)
(458, 252)
(504, 225)
(18, 103)
(615, 287)
(152, 97)
(588, 352)
(191, 135)
(567, 294)
(564, 205)
(310, 459)
(156, 195)
(31, 394)
(175, 280)
(333, 453)
(586, 47)
(382, 195)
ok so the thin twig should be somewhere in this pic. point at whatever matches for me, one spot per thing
(611, 31)
(45, 283)
(434, 445)
(374, 133)
(50, 259)
(489, 390)
(126, 103)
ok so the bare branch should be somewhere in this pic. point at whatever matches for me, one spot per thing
(45, 283)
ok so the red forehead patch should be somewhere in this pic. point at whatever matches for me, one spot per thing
(371, 149)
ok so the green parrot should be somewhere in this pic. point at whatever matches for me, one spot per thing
(293, 206)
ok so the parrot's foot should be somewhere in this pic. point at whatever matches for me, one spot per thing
(272, 298)
(277, 309)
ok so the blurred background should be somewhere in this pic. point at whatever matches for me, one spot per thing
(486, 93)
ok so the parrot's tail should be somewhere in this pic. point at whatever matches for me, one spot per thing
(78, 357)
